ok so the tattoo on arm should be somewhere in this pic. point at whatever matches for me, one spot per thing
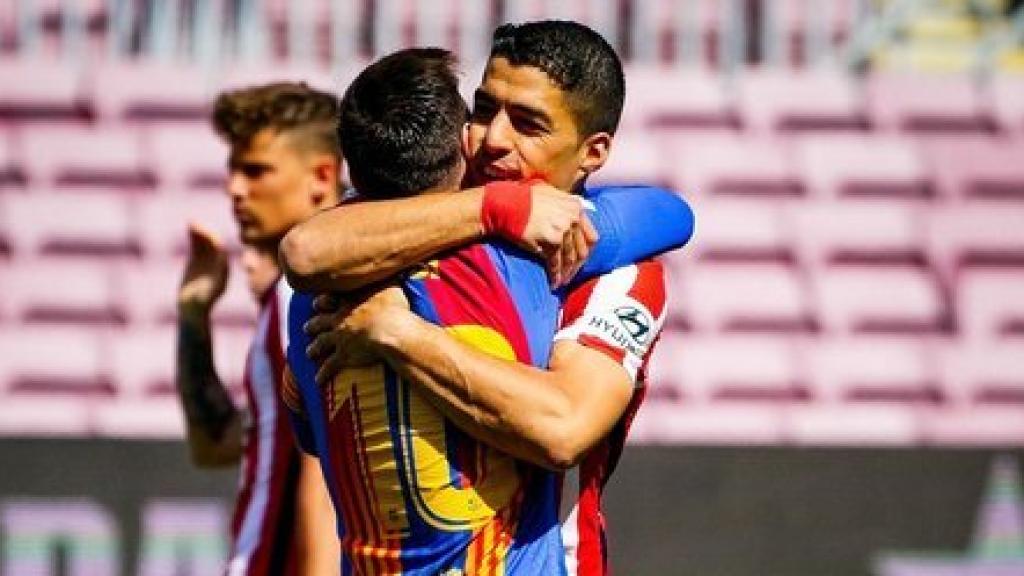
(206, 402)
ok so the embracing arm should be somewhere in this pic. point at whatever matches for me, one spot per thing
(357, 244)
(547, 417)
(316, 533)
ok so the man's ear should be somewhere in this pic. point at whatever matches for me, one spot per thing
(465, 140)
(594, 152)
(324, 181)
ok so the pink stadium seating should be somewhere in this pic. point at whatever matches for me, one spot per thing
(725, 369)
(243, 76)
(875, 369)
(633, 160)
(745, 297)
(726, 423)
(163, 221)
(879, 299)
(978, 234)
(975, 426)
(712, 164)
(44, 415)
(150, 291)
(990, 303)
(53, 94)
(11, 173)
(142, 361)
(188, 156)
(150, 91)
(861, 231)
(31, 365)
(658, 98)
(1007, 93)
(978, 167)
(91, 156)
(87, 222)
(780, 99)
(853, 425)
(657, 19)
(63, 291)
(742, 229)
(985, 372)
(860, 165)
(908, 102)
(147, 418)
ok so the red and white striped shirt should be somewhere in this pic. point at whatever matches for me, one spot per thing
(262, 525)
(620, 314)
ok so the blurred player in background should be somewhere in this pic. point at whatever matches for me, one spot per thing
(284, 166)
(548, 107)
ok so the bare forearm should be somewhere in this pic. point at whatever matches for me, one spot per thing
(514, 407)
(211, 417)
(355, 245)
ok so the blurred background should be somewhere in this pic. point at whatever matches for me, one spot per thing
(841, 386)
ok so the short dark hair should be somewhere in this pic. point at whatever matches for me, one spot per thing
(578, 60)
(311, 116)
(401, 121)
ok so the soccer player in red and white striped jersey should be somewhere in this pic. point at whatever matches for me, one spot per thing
(621, 315)
(284, 166)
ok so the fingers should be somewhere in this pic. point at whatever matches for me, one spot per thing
(327, 303)
(554, 260)
(329, 370)
(589, 231)
(320, 348)
(201, 237)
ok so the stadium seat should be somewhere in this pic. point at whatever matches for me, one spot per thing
(319, 77)
(634, 159)
(163, 221)
(142, 361)
(898, 299)
(63, 290)
(978, 234)
(999, 426)
(853, 425)
(671, 98)
(1008, 101)
(714, 164)
(858, 165)
(53, 94)
(728, 424)
(874, 369)
(743, 230)
(157, 418)
(990, 303)
(985, 372)
(85, 156)
(977, 167)
(11, 173)
(188, 157)
(704, 370)
(45, 415)
(659, 23)
(64, 361)
(86, 222)
(149, 91)
(865, 231)
(816, 99)
(150, 291)
(908, 102)
(733, 297)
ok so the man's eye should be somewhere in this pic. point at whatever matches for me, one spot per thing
(253, 171)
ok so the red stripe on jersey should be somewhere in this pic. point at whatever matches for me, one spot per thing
(594, 343)
(589, 520)
(244, 498)
(649, 287)
(577, 300)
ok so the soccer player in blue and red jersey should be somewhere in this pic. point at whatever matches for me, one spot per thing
(618, 316)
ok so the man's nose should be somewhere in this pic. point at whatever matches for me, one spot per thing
(499, 133)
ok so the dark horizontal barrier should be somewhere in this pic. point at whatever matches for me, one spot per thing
(101, 507)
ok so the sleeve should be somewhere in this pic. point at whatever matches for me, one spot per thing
(299, 369)
(634, 223)
(620, 314)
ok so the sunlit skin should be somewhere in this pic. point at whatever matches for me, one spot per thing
(274, 185)
(522, 128)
